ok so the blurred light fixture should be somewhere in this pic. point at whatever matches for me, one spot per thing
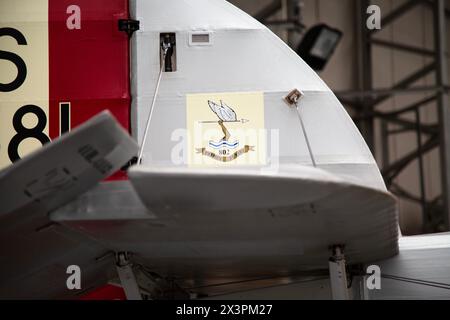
(318, 45)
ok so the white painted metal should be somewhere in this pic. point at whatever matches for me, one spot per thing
(283, 289)
(127, 277)
(168, 189)
(273, 222)
(363, 290)
(425, 259)
(128, 282)
(58, 172)
(36, 251)
(244, 57)
(338, 275)
(195, 235)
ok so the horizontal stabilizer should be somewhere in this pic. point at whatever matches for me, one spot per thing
(295, 213)
(58, 172)
(227, 189)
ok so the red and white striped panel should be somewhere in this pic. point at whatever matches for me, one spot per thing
(61, 62)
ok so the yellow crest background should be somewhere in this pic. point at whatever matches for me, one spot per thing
(247, 105)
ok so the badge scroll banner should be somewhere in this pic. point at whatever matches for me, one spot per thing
(232, 157)
(247, 141)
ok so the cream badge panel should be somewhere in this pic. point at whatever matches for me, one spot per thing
(226, 129)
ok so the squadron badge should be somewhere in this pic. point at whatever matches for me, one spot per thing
(226, 128)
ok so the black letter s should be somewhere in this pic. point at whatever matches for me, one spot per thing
(14, 58)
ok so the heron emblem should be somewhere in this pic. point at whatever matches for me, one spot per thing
(226, 114)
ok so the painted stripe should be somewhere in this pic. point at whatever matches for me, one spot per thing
(28, 18)
(89, 62)
(89, 65)
(66, 51)
(64, 117)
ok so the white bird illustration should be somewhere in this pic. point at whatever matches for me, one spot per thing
(225, 114)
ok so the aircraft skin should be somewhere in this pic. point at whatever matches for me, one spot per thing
(216, 198)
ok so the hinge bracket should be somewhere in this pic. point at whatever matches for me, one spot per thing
(128, 26)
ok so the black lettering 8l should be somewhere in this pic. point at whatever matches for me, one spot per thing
(23, 133)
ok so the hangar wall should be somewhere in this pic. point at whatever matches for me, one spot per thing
(390, 66)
